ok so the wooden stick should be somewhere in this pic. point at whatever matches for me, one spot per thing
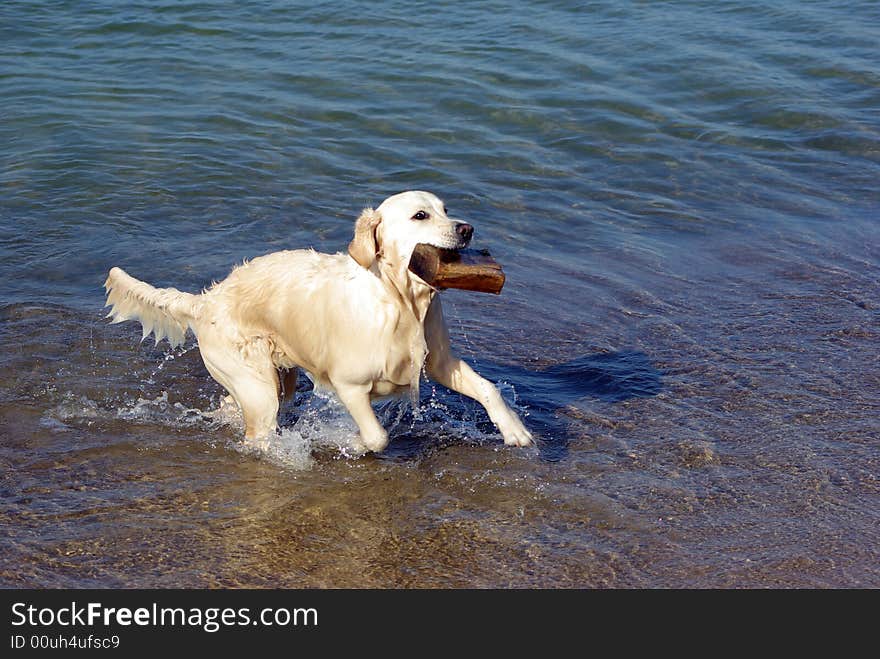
(468, 269)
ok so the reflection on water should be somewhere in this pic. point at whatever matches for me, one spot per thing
(609, 376)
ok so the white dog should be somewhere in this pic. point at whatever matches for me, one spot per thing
(359, 323)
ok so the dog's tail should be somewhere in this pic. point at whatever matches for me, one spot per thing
(166, 312)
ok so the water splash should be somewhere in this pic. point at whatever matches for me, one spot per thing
(171, 355)
(319, 425)
(159, 410)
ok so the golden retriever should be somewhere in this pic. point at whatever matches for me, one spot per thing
(361, 324)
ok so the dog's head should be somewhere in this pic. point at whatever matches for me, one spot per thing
(400, 223)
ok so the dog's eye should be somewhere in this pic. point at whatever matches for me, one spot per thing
(421, 215)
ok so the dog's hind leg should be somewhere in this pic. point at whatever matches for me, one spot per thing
(252, 380)
(258, 400)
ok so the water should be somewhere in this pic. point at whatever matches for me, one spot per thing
(684, 198)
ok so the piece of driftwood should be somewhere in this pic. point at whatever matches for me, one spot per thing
(468, 269)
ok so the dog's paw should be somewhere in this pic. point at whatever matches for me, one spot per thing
(515, 433)
(354, 448)
(370, 443)
(259, 444)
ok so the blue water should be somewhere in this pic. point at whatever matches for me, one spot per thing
(683, 196)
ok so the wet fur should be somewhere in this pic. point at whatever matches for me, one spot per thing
(360, 323)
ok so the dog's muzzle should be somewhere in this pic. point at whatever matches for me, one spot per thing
(464, 231)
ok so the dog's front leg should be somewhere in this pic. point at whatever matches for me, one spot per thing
(356, 399)
(450, 371)
(457, 375)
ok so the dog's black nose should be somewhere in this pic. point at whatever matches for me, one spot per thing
(464, 230)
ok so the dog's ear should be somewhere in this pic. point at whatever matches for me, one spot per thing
(363, 247)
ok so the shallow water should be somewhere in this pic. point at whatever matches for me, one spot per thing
(684, 198)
